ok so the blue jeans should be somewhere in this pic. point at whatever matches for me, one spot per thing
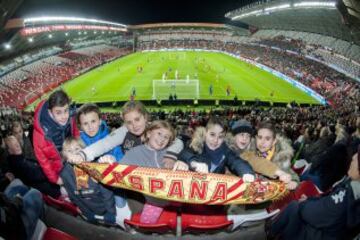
(32, 201)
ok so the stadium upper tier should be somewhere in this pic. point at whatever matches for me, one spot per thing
(31, 33)
(320, 17)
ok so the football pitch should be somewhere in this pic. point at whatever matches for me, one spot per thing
(219, 76)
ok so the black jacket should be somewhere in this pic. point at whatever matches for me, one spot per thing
(328, 217)
(94, 201)
(227, 159)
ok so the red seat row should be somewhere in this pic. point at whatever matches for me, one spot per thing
(194, 218)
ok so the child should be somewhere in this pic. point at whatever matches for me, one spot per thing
(53, 123)
(335, 215)
(275, 149)
(240, 141)
(93, 128)
(158, 136)
(130, 135)
(209, 153)
(96, 203)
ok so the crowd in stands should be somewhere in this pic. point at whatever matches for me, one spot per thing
(304, 147)
(29, 82)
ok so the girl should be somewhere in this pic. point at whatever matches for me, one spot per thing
(130, 135)
(209, 153)
(158, 136)
(276, 149)
(239, 141)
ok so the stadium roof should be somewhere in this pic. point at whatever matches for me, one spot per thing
(320, 16)
(30, 33)
(7, 9)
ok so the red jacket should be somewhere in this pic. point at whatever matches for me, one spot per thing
(45, 149)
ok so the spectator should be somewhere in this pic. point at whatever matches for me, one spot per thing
(54, 122)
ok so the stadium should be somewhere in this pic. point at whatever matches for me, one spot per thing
(141, 73)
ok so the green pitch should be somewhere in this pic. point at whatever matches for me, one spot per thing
(116, 81)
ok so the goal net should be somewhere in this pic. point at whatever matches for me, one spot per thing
(183, 88)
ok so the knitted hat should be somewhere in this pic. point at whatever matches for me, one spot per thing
(241, 126)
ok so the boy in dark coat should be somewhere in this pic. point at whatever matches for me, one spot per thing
(331, 216)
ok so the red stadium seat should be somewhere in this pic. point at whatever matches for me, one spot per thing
(52, 234)
(166, 223)
(202, 218)
(61, 205)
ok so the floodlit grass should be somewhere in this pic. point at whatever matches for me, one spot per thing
(116, 80)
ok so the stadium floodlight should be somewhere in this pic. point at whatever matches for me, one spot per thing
(316, 4)
(68, 19)
(282, 6)
(30, 40)
(7, 46)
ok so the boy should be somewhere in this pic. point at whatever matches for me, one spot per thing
(335, 215)
(53, 122)
(96, 203)
(93, 128)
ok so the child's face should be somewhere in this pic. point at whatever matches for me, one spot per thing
(353, 171)
(135, 122)
(265, 140)
(90, 123)
(214, 137)
(158, 138)
(73, 148)
(60, 114)
(242, 140)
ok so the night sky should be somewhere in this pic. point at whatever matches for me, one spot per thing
(134, 11)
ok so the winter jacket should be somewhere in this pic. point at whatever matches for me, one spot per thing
(199, 152)
(329, 216)
(259, 164)
(102, 133)
(48, 137)
(282, 156)
(119, 137)
(96, 203)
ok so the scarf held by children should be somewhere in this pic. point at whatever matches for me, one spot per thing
(185, 186)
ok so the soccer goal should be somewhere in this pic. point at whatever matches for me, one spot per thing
(182, 88)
